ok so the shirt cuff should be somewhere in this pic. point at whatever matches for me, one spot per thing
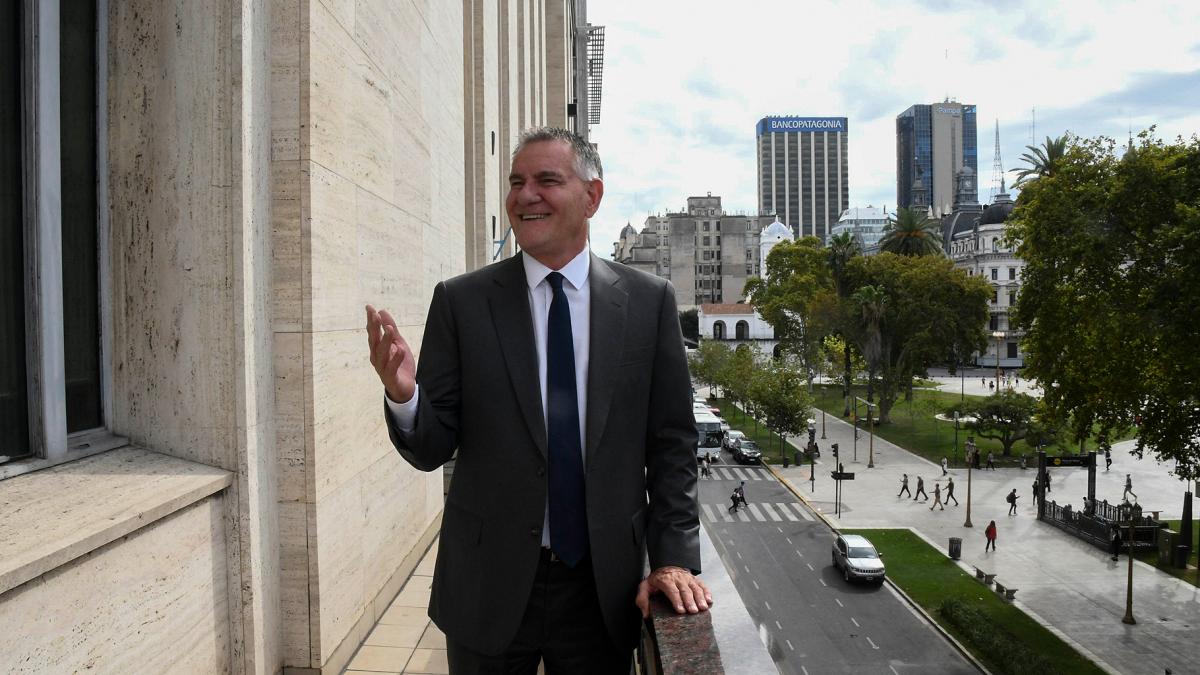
(404, 415)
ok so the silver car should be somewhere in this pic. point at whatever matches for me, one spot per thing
(857, 558)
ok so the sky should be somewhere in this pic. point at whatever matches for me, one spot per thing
(686, 82)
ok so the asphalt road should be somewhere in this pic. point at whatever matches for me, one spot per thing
(779, 556)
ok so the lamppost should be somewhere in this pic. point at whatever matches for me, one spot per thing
(999, 335)
(956, 437)
(1133, 512)
(870, 439)
(970, 463)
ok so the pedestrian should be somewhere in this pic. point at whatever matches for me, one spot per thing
(1114, 540)
(991, 386)
(533, 312)
(921, 489)
(1012, 502)
(945, 463)
(950, 490)
(990, 533)
(1048, 481)
(1128, 489)
(937, 497)
(1023, 464)
(991, 461)
(704, 466)
(904, 485)
(1107, 459)
(982, 381)
(1035, 488)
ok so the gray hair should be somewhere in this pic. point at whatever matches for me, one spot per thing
(587, 160)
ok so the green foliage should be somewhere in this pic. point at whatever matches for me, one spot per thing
(707, 363)
(912, 232)
(1110, 290)
(1008, 653)
(921, 311)
(1041, 161)
(1006, 416)
(689, 323)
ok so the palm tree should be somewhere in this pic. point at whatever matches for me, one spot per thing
(872, 302)
(843, 247)
(912, 232)
(1041, 160)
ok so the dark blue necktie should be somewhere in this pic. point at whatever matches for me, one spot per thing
(568, 505)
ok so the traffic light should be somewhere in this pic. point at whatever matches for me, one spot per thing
(835, 450)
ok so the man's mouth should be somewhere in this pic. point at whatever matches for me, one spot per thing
(534, 216)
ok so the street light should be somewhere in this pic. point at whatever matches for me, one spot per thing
(1133, 512)
(999, 335)
(971, 450)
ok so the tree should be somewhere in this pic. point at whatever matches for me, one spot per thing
(783, 401)
(1110, 289)
(913, 233)
(932, 311)
(842, 249)
(1006, 416)
(708, 361)
(689, 323)
(1042, 161)
(872, 304)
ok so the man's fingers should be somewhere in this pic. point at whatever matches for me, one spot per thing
(372, 328)
(643, 598)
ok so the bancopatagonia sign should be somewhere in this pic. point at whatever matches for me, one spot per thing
(779, 125)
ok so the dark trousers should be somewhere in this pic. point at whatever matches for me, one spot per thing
(562, 627)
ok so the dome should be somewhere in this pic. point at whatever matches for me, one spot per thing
(777, 229)
(627, 230)
(998, 212)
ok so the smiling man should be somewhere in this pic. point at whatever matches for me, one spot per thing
(561, 381)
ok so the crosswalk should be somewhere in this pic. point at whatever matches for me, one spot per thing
(763, 512)
(739, 474)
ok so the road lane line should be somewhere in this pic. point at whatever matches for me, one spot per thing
(757, 514)
(767, 604)
(789, 541)
(776, 527)
(855, 622)
(709, 513)
(810, 567)
(802, 511)
(725, 474)
(799, 553)
(755, 584)
(739, 555)
(789, 644)
(743, 516)
(740, 474)
(893, 669)
(778, 625)
(839, 602)
(747, 568)
(786, 514)
(823, 583)
(873, 645)
(804, 669)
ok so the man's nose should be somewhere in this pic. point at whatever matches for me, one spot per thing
(528, 194)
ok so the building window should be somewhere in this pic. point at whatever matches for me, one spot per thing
(1012, 350)
(704, 226)
(995, 296)
(719, 330)
(50, 367)
(707, 240)
(743, 330)
(995, 274)
(749, 268)
(1012, 298)
(1012, 274)
(994, 322)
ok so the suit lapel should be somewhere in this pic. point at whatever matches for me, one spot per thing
(509, 304)
(607, 336)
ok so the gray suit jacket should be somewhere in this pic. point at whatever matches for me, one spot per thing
(480, 395)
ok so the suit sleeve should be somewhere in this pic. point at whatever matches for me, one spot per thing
(673, 522)
(435, 437)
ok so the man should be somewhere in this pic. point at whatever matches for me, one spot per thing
(1012, 502)
(991, 461)
(1128, 489)
(561, 486)
(950, 491)
(937, 497)
(904, 486)
(921, 490)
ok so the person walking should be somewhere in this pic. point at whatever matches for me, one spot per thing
(937, 497)
(950, 491)
(705, 471)
(1124, 496)
(990, 533)
(1035, 488)
(904, 486)
(1048, 480)
(1012, 502)
(945, 463)
(1107, 459)
(1114, 540)
(921, 489)
(991, 461)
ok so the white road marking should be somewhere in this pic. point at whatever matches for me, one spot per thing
(767, 604)
(802, 511)
(757, 514)
(755, 584)
(789, 644)
(839, 602)
(873, 645)
(786, 514)
(739, 555)
(709, 513)
(778, 625)
(823, 583)
(893, 669)
(810, 567)
(725, 514)
(789, 541)
(799, 553)
(855, 622)
(740, 474)
(805, 670)
(747, 568)
(724, 473)
(767, 506)
(743, 516)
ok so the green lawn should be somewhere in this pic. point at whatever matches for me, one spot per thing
(1189, 575)
(914, 428)
(769, 442)
(929, 577)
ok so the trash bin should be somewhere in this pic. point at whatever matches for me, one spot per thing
(955, 548)
(1181, 555)
(796, 458)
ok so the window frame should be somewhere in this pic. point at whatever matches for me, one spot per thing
(41, 150)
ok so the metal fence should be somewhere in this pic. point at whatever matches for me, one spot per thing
(1095, 524)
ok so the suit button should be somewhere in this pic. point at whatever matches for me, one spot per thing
(535, 532)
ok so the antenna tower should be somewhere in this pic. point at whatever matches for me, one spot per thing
(1032, 125)
(997, 168)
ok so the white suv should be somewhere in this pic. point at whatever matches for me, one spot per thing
(857, 558)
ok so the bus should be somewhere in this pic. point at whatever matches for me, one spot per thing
(708, 428)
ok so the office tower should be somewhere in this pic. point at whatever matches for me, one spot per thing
(803, 172)
(932, 143)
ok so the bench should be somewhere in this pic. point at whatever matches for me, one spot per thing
(985, 577)
(1004, 591)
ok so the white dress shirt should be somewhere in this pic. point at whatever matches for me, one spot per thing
(540, 294)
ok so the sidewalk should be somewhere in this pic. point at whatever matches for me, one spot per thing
(1070, 586)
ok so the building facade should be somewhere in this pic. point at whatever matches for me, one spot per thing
(866, 224)
(195, 476)
(803, 172)
(932, 143)
(706, 253)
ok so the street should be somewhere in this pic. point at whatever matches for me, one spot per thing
(778, 555)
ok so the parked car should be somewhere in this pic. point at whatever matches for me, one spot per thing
(747, 451)
(725, 425)
(857, 558)
(731, 438)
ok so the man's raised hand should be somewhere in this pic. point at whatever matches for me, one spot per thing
(390, 355)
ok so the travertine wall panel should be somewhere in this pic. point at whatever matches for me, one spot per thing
(164, 584)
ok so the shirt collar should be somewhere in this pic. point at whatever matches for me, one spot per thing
(575, 271)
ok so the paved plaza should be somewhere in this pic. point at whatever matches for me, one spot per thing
(1070, 586)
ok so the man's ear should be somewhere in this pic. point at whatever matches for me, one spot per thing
(595, 192)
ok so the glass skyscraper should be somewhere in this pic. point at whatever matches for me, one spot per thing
(933, 142)
(803, 174)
